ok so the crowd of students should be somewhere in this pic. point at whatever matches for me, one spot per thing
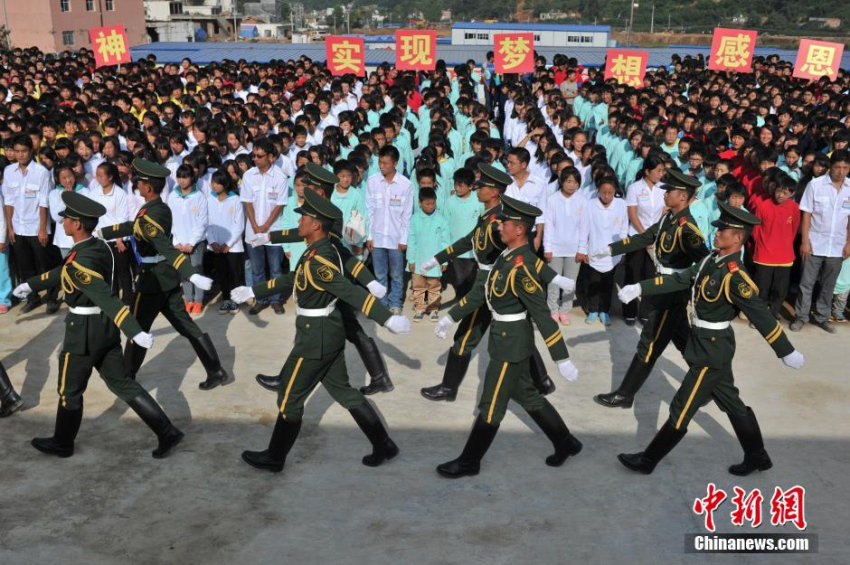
(591, 154)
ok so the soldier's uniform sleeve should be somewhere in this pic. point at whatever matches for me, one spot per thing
(285, 236)
(327, 276)
(663, 284)
(279, 285)
(545, 273)
(637, 241)
(45, 280)
(692, 242)
(156, 236)
(473, 300)
(457, 248)
(533, 296)
(116, 231)
(744, 295)
(354, 267)
(92, 285)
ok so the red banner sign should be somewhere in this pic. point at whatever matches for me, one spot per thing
(627, 66)
(732, 50)
(110, 45)
(514, 52)
(345, 55)
(415, 50)
(816, 59)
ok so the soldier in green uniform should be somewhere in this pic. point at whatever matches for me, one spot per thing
(678, 244)
(513, 293)
(485, 243)
(10, 401)
(318, 352)
(92, 336)
(719, 287)
(323, 181)
(158, 286)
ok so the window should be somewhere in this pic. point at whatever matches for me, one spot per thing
(67, 38)
(483, 36)
(65, 6)
(110, 6)
(536, 37)
(175, 8)
(89, 5)
(586, 39)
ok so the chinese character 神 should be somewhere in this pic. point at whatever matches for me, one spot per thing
(747, 508)
(110, 46)
(819, 60)
(416, 50)
(626, 70)
(514, 51)
(788, 506)
(346, 56)
(714, 497)
(733, 51)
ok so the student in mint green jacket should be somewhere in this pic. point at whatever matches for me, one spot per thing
(428, 235)
(352, 202)
(461, 213)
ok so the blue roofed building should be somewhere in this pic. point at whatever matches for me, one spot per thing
(545, 35)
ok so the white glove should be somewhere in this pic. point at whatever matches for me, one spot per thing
(441, 330)
(260, 239)
(428, 265)
(143, 339)
(564, 283)
(629, 293)
(795, 360)
(22, 290)
(241, 294)
(568, 370)
(602, 254)
(200, 281)
(377, 289)
(398, 324)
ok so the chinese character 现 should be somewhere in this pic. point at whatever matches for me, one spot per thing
(416, 50)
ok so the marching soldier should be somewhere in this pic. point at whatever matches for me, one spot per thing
(92, 337)
(678, 244)
(318, 352)
(10, 401)
(486, 245)
(323, 181)
(162, 266)
(513, 293)
(719, 288)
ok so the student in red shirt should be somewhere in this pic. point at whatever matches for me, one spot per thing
(773, 252)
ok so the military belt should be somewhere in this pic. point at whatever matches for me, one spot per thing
(316, 312)
(484, 266)
(509, 317)
(153, 259)
(662, 270)
(696, 322)
(85, 310)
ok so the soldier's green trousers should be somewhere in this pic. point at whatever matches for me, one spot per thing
(504, 381)
(301, 376)
(75, 370)
(667, 321)
(472, 328)
(170, 303)
(700, 386)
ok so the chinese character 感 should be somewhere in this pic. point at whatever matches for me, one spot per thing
(714, 497)
(626, 69)
(416, 50)
(733, 51)
(110, 46)
(819, 60)
(747, 508)
(514, 51)
(788, 506)
(346, 56)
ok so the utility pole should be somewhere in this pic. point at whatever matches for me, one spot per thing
(348, 20)
(652, 20)
(631, 22)
(235, 32)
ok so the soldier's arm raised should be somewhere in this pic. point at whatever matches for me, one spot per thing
(743, 293)
(45, 280)
(533, 296)
(156, 236)
(92, 285)
(324, 275)
(635, 242)
(116, 231)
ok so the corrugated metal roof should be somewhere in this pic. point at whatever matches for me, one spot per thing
(531, 27)
(202, 53)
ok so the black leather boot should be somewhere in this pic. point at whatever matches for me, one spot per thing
(383, 448)
(64, 432)
(539, 375)
(379, 378)
(663, 442)
(749, 434)
(283, 438)
(456, 366)
(469, 462)
(205, 349)
(556, 430)
(10, 402)
(624, 396)
(152, 414)
(134, 356)
(269, 382)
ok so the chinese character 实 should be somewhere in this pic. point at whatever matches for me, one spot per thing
(819, 60)
(346, 56)
(626, 70)
(747, 508)
(788, 506)
(514, 51)
(110, 46)
(714, 497)
(416, 50)
(733, 51)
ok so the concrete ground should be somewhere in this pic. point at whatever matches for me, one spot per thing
(113, 503)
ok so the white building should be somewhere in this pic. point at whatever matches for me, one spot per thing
(176, 20)
(545, 35)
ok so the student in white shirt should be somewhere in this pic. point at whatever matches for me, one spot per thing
(224, 238)
(189, 229)
(563, 213)
(107, 191)
(64, 179)
(645, 204)
(604, 221)
(389, 200)
(5, 274)
(84, 147)
(526, 187)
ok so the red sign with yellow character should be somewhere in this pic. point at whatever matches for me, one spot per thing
(514, 52)
(415, 50)
(628, 67)
(732, 50)
(110, 45)
(816, 59)
(345, 55)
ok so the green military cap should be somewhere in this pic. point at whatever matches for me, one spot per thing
(518, 211)
(78, 206)
(491, 176)
(731, 217)
(318, 207)
(317, 174)
(146, 170)
(677, 180)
